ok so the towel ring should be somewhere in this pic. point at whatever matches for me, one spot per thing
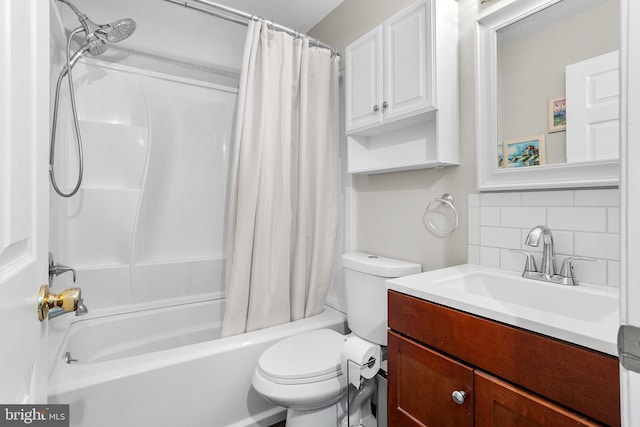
(447, 200)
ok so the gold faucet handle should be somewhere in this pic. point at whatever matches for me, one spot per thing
(67, 300)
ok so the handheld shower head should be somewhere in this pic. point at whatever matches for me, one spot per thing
(112, 33)
(94, 47)
(117, 31)
(96, 39)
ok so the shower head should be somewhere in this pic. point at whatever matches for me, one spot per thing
(93, 47)
(96, 35)
(117, 31)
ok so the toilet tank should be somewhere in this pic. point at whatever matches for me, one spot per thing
(366, 292)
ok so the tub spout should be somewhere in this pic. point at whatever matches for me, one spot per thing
(80, 311)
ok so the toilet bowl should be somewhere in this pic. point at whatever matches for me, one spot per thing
(303, 372)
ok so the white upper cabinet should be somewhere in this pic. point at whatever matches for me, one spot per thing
(364, 80)
(402, 91)
(409, 77)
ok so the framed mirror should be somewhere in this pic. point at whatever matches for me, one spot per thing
(527, 54)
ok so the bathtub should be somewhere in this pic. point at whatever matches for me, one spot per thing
(168, 367)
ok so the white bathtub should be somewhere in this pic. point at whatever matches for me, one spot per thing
(168, 367)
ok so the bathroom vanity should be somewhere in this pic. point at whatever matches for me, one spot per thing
(449, 367)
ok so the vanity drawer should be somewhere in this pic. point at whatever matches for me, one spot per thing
(581, 379)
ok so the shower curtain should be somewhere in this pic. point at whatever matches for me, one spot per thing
(282, 214)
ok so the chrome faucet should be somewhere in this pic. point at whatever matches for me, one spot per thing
(57, 312)
(548, 266)
(547, 271)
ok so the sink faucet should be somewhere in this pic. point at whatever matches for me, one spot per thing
(548, 266)
(547, 271)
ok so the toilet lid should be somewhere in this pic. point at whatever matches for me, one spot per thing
(303, 358)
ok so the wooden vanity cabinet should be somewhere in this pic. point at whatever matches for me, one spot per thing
(509, 376)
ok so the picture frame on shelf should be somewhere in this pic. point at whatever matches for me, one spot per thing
(557, 114)
(524, 152)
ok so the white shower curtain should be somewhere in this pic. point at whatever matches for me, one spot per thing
(283, 186)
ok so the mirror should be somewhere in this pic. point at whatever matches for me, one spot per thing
(531, 55)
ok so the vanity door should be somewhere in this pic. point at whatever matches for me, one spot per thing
(498, 403)
(422, 386)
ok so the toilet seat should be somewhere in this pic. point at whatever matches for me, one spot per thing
(304, 358)
(302, 372)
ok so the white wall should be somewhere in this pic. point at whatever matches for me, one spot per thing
(390, 206)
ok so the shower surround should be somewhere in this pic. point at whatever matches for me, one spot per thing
(148, 222)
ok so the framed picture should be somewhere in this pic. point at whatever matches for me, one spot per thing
(524, 152)
(500, 156)
(557, 113)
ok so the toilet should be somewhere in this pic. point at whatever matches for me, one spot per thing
(303, 372)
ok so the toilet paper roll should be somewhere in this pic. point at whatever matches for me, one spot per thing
(357, 355)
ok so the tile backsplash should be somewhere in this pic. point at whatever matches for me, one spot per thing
(583, 223)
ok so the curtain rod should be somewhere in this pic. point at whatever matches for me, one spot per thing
(243, 18)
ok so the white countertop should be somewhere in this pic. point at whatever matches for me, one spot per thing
(587, 315)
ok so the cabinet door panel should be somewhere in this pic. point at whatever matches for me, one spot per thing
(421, 382)
(363, 61)
(498, 403)
(409, 62)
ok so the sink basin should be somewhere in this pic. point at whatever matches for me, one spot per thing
(586, 315)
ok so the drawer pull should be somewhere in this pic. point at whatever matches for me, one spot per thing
(458, 397)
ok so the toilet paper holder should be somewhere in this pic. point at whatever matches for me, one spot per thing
(369, 364)
(364, 391)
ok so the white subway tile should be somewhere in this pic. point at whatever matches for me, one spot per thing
(473, 199)
(563, 242)
(598, 245)
(512, 260)
(613, 220)
(490, 257)
(473, 254)
(499, 237)
(501, 199)
(598, 197)
(474, 226)
(577, 218)
(522, 217)
(548, 198)
(613, 271)
(490, 216)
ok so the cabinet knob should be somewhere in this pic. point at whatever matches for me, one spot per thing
(385, 104)
(376, 108)
(458, 397)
